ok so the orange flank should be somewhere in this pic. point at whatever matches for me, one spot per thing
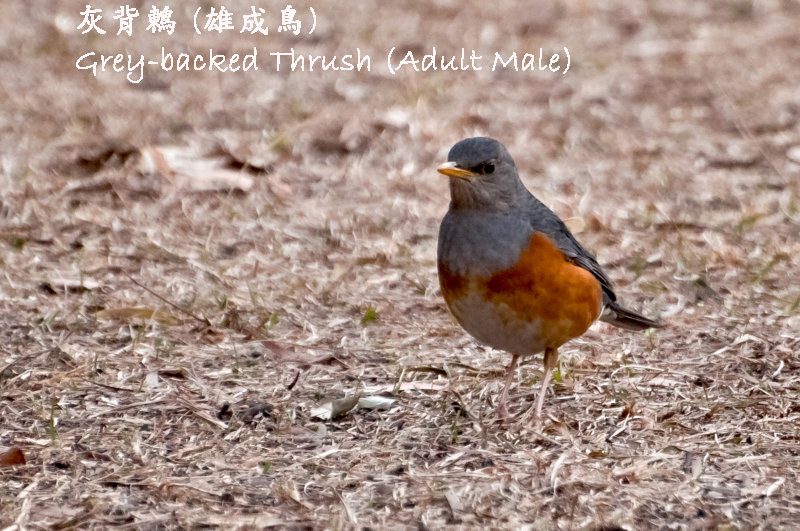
(544, 285)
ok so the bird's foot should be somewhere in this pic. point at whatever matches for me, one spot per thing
(502, 412)
(532, 417)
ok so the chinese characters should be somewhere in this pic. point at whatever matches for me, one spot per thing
(217, 19)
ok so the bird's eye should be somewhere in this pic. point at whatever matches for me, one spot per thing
(488, 168)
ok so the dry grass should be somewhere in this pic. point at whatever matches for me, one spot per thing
(163, 347)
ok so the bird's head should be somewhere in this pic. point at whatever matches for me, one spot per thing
(482, 175)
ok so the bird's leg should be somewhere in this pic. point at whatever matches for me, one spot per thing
(502, 410)
(550, 359)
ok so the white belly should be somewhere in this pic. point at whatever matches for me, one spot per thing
(497, 326)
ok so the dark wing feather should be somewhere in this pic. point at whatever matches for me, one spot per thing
(613, 313)
(542, 219)
(579, 256)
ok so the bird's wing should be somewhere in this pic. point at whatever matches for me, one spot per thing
(579, 256)
(612, 313)
(545, 220)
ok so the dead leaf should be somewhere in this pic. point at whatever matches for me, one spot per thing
(255, 411)
(356, 134)
(422, 385)
(172, 372)
(576, 225)
(279, 188)
(12, 457)
(133, 313)
(188, 169)
(793, 154)
(71, 285)
(84, 156)
(151, 381)
(732, 156)
(335, 408)
(301, 354)
(243, 521)
(242, 150)
(376, 402)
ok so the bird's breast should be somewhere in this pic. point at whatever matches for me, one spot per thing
(538, 299)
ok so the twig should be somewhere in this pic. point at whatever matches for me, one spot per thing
(202, 320)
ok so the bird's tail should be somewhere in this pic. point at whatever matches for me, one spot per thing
(621, 317)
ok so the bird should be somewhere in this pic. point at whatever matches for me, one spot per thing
(510, 271)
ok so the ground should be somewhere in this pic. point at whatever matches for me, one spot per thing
(195, 266)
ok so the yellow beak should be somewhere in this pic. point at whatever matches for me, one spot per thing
(451, 169)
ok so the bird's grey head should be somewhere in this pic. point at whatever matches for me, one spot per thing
(482, 175)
